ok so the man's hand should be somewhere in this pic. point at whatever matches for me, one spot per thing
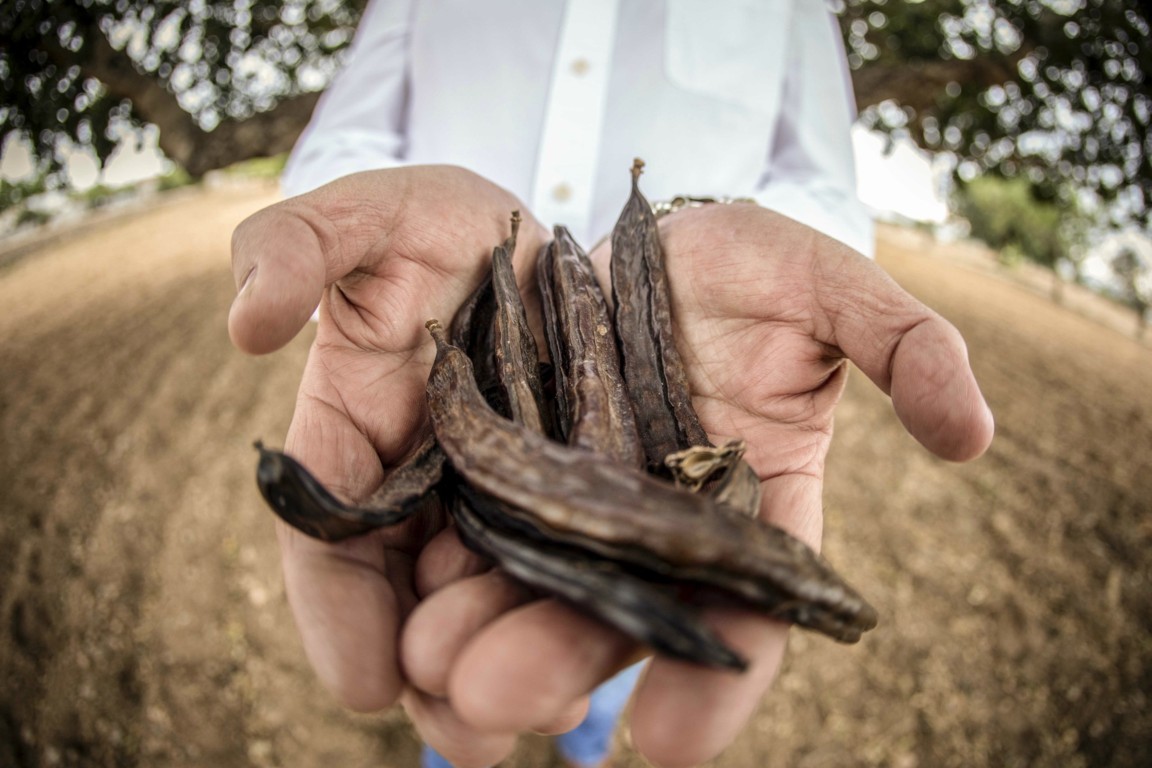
(767, 311)
(381, 252)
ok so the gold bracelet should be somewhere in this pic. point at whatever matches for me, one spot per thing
(664, 207)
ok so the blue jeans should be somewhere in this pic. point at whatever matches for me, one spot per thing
(590, 742)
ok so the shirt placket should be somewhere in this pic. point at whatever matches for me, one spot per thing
(570, 142)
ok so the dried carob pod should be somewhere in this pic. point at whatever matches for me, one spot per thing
(304, 503)
(584, 494)
(642, 610)
(652, 367)
(474, 328)
(546, 284)
(517, 359)
(600, 410)
(653, 370)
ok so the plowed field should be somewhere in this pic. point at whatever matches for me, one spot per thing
(143, 622)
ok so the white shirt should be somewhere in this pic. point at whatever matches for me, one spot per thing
(553, 99)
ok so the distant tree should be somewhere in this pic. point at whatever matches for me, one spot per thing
(1009, 216)
(1134, 275)
(1056, 91)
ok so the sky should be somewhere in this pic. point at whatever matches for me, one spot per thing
(903, 182)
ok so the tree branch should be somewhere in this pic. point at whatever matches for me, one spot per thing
(920, 84)
(181, 138)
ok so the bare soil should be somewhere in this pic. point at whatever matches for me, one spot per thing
(143, 621)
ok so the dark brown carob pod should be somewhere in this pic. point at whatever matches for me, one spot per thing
(653, 370)
(300, 500)
(601, 411)
(587, 495)
(517, 360)
(643, 321)
(641, 610)
(546, 283)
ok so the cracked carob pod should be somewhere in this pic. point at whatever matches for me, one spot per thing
(584, 495)
(653, 370)
(546, 284)
(300, 500)
(474, 328)
(600, 412)
(517, 359)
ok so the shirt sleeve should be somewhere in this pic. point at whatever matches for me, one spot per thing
(810, 175)
(358, 124)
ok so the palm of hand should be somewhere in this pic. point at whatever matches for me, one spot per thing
(744, 287)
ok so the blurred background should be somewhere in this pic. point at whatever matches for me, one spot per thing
(1003, 144)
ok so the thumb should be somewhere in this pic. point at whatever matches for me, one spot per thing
(907, 350)
(279, 266)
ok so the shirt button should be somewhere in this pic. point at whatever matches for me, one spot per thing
(562, 193)
(580, 66)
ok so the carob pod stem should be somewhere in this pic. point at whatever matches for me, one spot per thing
(300, 500)
(583, 493)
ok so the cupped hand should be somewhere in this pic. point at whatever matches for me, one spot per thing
(767, 313)
(380, 253)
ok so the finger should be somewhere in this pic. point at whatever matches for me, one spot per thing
(445, 560)
(907, 350)
(347, 598)
(531, 664)
(684, 714)
(439, 220)
(279, 259)
(458, 742)
(444, 623)
(568, 719)
(347, 613)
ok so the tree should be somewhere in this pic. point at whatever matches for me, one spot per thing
(1056, 91)
(1007, 215)
(224, 80)
(1133, 273)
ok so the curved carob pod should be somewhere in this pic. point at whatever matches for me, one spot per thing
(584, 494)
(641, 610)
(474, 328)
(300, 500)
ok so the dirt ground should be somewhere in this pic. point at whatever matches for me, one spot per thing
(143, 622)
